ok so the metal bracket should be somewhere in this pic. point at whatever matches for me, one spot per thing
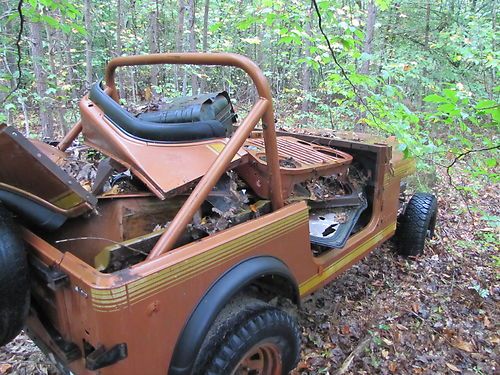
(101, 357)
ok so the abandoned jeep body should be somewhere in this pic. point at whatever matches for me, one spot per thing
(191, 219)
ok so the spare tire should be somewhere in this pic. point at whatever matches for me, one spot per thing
(14, 279)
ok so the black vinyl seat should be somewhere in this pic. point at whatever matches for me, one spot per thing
(154, 131)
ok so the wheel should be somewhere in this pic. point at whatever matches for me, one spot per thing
(416, 224)
(14, 281)
(254, 339)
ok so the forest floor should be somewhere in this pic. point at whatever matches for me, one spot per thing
(436, 314)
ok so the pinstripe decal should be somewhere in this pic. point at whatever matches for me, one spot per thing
(136, 291)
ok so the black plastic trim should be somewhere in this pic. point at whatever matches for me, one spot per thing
(214, 300)
(54, 278)
(153, 131)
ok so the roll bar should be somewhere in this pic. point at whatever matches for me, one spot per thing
(262, 109)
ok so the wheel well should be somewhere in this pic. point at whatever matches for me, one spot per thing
(264, 276)
(268, 287)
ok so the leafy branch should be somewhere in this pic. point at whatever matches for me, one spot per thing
(335, 60)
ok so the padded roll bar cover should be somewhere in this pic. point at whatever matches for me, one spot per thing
(190, 108)
(214, 300)
(146, 130)
(32, 211)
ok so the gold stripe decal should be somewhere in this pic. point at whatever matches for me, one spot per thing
(337, 265)
(115, 299)
(403, 168)
(66, 200)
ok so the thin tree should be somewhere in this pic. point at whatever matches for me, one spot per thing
(119, 47)
(88, 41)
(203, 81)
(46, 120)
(153, 40)
(192, 40)
(306, 70)
(369, 35)
(179, 42)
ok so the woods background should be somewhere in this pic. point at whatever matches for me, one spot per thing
(424, 70)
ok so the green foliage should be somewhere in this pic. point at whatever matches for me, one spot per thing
(431, 80)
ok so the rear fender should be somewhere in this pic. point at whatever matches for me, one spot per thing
(218, 295)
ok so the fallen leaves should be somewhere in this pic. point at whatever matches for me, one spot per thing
(453, 367)
(5, 368)
(393, 367)
(462, 345)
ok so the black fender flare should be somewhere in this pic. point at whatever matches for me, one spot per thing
(214, 300)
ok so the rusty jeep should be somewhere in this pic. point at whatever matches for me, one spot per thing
(199, 234)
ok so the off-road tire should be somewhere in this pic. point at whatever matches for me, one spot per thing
(253, 325)
(417, 222)
(14, 279)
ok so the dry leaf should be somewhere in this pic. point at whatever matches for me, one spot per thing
(495, 340)
(113, 191)
(401, 327)
(452, 367)
(462, 345)
(385, 353)
(5, 368)
(415, 307)
(392, 367)
(345, 330)
(387, 341)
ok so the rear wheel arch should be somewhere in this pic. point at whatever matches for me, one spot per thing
(265, 275)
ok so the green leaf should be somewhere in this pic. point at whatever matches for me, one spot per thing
(383, 4)
(451, 94)
(485, 104)
(491, 162)
(434, 98)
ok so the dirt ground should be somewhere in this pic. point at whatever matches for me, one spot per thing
(437, 314)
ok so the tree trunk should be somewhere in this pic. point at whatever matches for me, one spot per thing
(88, 42)
(10, 64)
(45, 111)
(119, 48)
(66, 38)
(490, 84)
(306, 70)
(369, 34)
(153, 42)
(203, 81)
(192, 41)
(427, 23)
(179, 42)
(59, 110)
